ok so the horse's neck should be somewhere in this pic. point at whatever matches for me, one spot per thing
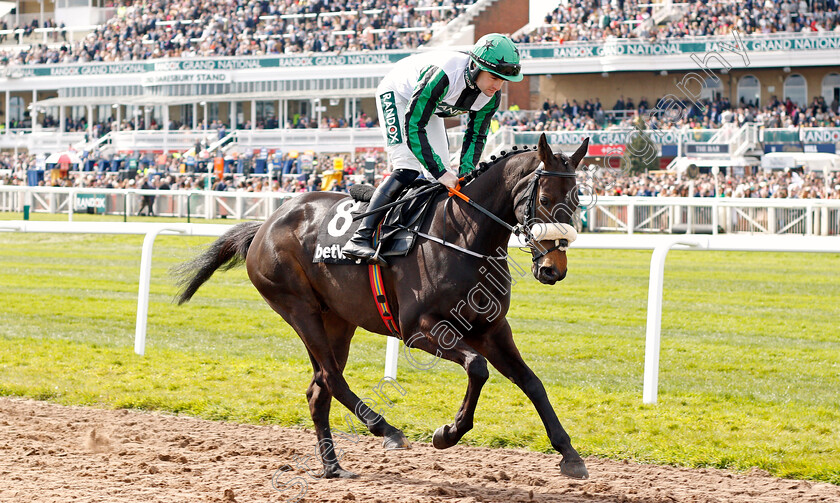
(494, 191)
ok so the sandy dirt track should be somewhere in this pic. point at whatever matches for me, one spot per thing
(52, 453)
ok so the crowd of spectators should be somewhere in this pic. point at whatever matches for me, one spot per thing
(571, 115)
(206, 28)
(141, 30)
(284, 172)
(101, 128)
(597, 20)
(784, 184)
(567, 115)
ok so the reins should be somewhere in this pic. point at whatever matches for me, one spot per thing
(431, 188)
(521, 230)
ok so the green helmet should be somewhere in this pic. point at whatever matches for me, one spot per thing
(497, 54)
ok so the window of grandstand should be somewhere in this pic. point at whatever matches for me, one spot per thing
(16, 108)
(749, 90)
(712, 89)
(831, 88)
(265, 111)
(187, 114)
(212, 111)
(796, 89)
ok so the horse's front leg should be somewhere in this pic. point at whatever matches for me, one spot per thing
(448, 345)
(502, 353)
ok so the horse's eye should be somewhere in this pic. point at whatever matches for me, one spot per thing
(544, 201)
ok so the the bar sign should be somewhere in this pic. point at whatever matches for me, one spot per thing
(706, 148)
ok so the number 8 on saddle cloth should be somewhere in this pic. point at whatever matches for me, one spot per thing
(397, 231)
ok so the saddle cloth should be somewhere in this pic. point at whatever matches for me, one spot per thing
(396, 231)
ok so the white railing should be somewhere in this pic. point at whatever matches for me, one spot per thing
(659, 244)
(496, 142)
(188, 204)
(40, 141)
(679, 215)
(222, 142)
(446, 32)
(150, 230)
(317, 140)
(629, 215)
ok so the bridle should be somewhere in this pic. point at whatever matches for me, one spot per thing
(523, 229)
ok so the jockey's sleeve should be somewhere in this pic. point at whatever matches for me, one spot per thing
(476, 134)
(428, 92)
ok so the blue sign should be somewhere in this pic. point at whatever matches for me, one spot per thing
(828, 148)
(669, 150)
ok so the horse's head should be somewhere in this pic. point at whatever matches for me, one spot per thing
(546, 202)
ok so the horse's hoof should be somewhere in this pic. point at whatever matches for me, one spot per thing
(575, 469)
(440, 440)
(339, 473)
(395, 442)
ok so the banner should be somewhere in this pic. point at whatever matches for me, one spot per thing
(611, 137)
(787, 42)
(778, 42)
(89, 203)
(803, 135)
(205, 66)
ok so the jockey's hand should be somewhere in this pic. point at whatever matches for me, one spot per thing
(449, 180)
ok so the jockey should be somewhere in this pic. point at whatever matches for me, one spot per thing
(412, 101)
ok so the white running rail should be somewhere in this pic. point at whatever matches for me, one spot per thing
(660, 245)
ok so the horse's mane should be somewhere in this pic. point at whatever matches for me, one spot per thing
(483, 167)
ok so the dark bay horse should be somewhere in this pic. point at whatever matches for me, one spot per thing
(427, 290)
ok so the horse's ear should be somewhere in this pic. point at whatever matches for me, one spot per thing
(580, 153)
(544, 149)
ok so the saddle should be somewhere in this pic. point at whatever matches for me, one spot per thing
(397, 232)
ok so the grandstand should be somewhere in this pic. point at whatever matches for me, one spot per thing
(713, 84)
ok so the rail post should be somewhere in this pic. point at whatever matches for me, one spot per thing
(654, 315)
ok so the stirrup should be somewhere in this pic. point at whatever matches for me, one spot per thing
(376, 259)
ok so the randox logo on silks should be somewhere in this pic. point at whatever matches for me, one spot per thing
(449, 110)
(392, 123)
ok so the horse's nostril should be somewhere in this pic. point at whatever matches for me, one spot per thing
(549, 273)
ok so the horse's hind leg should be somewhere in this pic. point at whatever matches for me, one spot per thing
(340, 334)
(319, 408)
(328, 347)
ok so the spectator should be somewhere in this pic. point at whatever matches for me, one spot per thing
(148, 201)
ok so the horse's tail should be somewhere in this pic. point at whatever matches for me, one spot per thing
(226, 252)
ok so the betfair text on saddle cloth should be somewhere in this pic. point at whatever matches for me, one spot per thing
(412, 101)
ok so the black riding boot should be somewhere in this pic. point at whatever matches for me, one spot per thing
(359, 246)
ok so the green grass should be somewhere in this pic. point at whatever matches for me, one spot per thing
(749, 375)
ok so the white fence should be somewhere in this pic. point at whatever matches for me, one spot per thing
(631, 215)
(678, 215)
(167, 203)
(150, 230)
(659, 244)
(318, 140)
